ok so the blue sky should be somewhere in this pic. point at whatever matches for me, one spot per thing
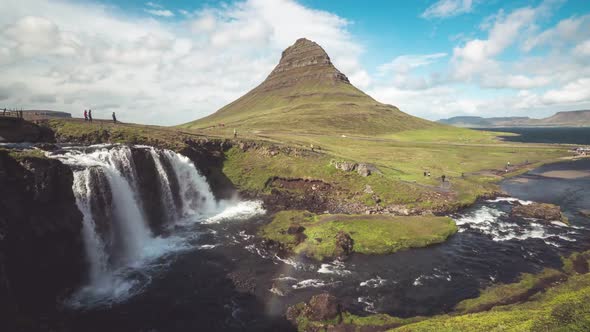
(167, 62)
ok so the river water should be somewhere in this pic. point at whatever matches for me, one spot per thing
(217, 276)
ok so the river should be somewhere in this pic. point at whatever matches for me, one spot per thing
(210, 273)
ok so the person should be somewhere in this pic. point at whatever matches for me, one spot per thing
(311, 145)
(85, 115)
(235, 133)
(90, 115)
(114, 118)
(443, 177)
(424, 173)
(428, 174)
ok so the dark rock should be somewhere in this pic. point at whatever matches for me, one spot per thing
(42, 256)
(295, 229)
(344, 245)
(542, 211)
(149, 189)
(323, 307)
(580, 264)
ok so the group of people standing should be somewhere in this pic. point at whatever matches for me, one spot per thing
(88, 116)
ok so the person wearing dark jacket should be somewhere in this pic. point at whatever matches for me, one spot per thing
(90, 115)
(114, 118)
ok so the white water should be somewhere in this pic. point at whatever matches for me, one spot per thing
(95, 248)
(117, 275)
(167, 197)
(195, 193)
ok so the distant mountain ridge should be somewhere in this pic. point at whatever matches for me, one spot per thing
(306, 93)
(579, 118)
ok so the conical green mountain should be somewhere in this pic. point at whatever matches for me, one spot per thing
(306, 93)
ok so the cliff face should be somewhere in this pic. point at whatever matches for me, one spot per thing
(42, 255)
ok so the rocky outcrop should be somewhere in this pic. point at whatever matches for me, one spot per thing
(303, 61)
(150, 189)
(322, 307)
(42, 255)
(19, 130)
(540, 211)
(344, 245)
(208, 156)
(346, 166)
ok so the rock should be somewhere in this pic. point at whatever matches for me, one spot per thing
(322, 307)
(585, 213)
(368, 189)
(363, 170)
(42, 255)
(344, 165)
(344, 245)
(542, 211)
(295, 229)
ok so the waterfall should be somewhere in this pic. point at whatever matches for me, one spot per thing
(167, 196)
(95, 248)
(129, 196)
(195, 193)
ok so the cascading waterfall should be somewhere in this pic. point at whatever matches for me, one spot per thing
(95, 248)
(167, 196)
(195, 193)
(107, 193)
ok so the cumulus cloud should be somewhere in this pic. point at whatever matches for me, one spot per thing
(152, 71)
(448, 8)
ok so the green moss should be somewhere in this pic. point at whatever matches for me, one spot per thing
(527, 285)
(377, 320)
(20, 155)
(371, 234)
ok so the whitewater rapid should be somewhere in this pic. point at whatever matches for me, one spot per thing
(122, 251)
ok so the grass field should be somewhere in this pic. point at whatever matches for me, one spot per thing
(472, 161)
(370, 234)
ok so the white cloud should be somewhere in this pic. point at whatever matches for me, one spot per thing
(574, 92)
(89, 55)
(160, 12)
(448, 8)
(583, 49)
(574, 29)
(405, 63)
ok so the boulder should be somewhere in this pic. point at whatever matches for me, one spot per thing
(344, 245)
(322, 307)
(541, 211)
(585, 213)
(363, 170)
(344, 165)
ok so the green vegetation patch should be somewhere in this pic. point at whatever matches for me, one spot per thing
(20, 155)
(503, 294)
(371, 234)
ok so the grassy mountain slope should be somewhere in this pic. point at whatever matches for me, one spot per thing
(307, 94)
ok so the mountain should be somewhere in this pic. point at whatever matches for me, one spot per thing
(306, 93)
(560, 119)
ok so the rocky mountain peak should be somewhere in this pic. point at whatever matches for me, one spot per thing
(304, 61)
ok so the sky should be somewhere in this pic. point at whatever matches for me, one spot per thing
(169, 62)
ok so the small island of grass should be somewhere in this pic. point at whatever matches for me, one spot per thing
(328, 236)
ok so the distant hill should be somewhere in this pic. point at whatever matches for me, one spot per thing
(306, 93)
(560, 119)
